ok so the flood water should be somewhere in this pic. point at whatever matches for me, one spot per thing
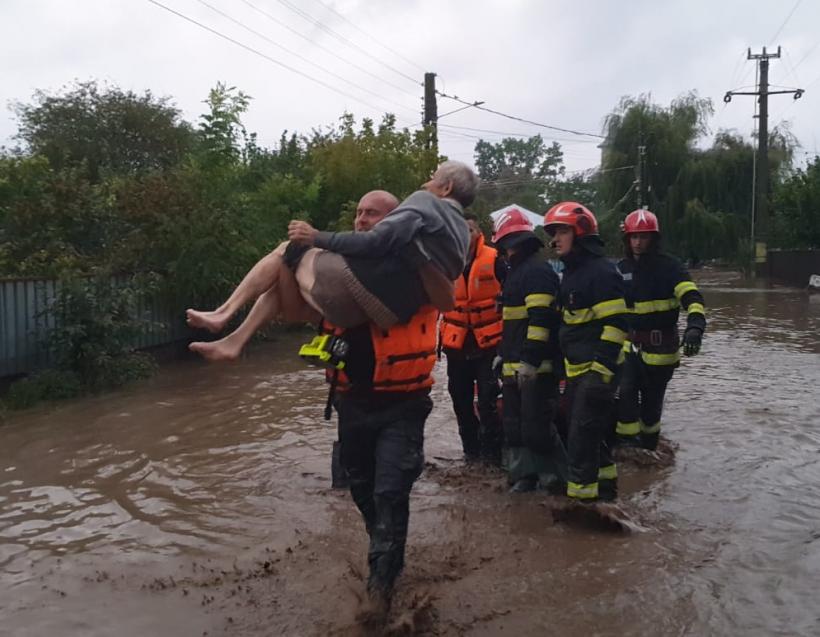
(198, 502)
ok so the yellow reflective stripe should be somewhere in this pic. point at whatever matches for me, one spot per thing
(509, 369)
(613, 334)
(609, 308)
(603, 370)
(627, 347)
(621, 357)
(658, 305)
(628, 428)
(683, 287)
(582, 491)
(651, 429)
(538, 300)
(535, 333)
(576, 369)
(660, 359)
(609, 472)
(579, 316)
(696, 308)
(514, 312)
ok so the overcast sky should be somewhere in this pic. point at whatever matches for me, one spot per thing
(562, 63)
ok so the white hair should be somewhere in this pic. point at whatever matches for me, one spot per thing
(464, 180)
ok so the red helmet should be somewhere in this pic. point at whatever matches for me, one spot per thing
(575, 215)
(510, 221)
(640, 221)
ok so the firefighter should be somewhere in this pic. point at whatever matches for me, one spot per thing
(657, 287)
(535, 454)
(470, 334)
(380, 385)
(593, 330)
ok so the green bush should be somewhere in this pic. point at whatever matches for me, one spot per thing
(51, 384)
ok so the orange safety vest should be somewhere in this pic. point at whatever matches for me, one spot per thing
(475, 304)
(405, 354)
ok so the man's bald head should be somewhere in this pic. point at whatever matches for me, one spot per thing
(372, 208)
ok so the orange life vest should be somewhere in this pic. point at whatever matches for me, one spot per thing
(405, 354)
(475, 304)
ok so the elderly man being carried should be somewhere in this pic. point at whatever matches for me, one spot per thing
(409, 259)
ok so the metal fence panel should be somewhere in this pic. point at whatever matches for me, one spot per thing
(26, 319)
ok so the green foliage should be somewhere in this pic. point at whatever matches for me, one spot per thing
(796, 212)
(48, 385)
(103, 131)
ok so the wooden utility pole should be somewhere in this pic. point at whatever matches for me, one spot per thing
(431, 108)
(760, 214)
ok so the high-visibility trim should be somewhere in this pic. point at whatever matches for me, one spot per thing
(660, 359)
(609, 472)
(651, 429)
(658, 305)
(576, 317)
(627, 347)
(628, 428)
(535, 333)
(576, 369)
(696, 308)
(621, 356)
(509, 369)
(603, 370)
(683, 287)
(609, 308)
(514, 312)
(613, 334)
(538, 300)
(582, 491)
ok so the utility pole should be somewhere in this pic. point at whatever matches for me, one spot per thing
(641, 174)
(431, 108)
(760, 214)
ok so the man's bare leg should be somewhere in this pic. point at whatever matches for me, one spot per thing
(266, 309)
(261, 277)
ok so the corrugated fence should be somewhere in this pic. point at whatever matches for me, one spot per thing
(25, 320)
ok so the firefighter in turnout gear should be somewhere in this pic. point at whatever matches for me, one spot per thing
(657, 286)
(529, 355)
(593, 331)
(470, 334)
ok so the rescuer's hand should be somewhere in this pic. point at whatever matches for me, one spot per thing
(302, 232)
(525, 373)
(497, 366)
(692, 338)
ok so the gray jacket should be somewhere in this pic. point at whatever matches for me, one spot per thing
(423, 228)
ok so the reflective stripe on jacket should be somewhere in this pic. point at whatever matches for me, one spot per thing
(404, 355)
(594, 322)
(657, 286)
(475, 308)
(530, 316)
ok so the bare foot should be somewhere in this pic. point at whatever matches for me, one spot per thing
(212, 321)
(216, 351)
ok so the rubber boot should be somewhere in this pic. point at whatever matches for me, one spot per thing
(650, 441)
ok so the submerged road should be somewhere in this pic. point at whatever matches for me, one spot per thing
(199, 503)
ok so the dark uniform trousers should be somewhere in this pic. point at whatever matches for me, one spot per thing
(480, 436)
(529, 424)
(641, 393)
(589, 443)
(382, 452)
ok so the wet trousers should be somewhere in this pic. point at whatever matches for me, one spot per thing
(382, 451)
(534, 446)
(592, 473)
(640, 402)
(480, 434)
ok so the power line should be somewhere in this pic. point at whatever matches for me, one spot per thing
(785, 22)
(302, 57)
(265, 56)
(369, 35)
(306, 16)
(497, 132)
(518, 119)
(284, 25)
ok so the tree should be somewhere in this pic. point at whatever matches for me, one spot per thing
(103, 130)
(796, 214)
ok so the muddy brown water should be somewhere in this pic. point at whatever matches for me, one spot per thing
(199, 503)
